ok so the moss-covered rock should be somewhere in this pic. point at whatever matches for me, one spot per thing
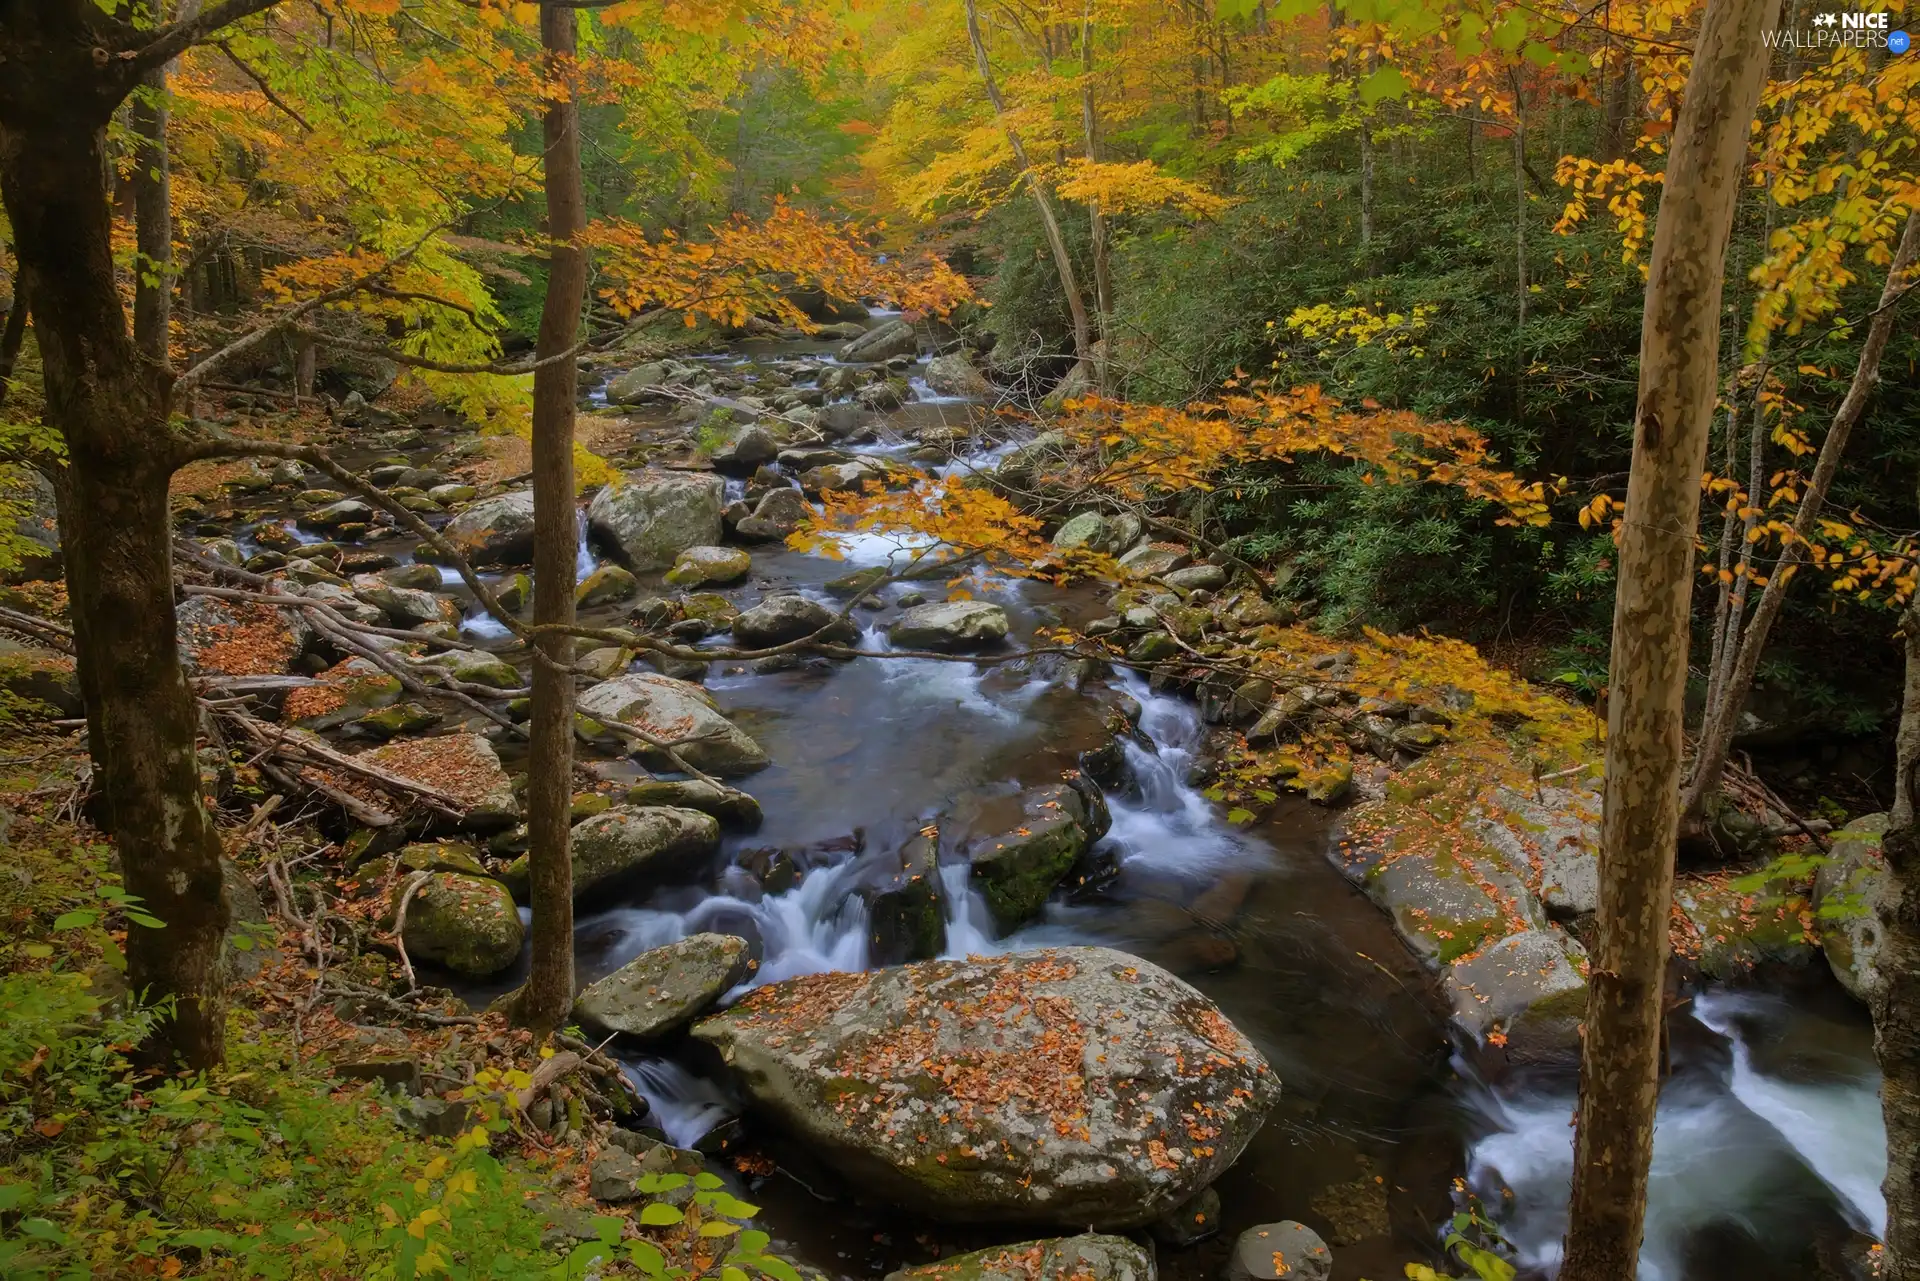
(698, 566)
(664, 989)
(1847, 893)
(605, 586)
(466, 923)
(734, 808)
(906, 912)
(1017, 869)
(1734, 926)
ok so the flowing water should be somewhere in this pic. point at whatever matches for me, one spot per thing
(1768, 1151)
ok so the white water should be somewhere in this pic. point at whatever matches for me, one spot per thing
(1733, 1147)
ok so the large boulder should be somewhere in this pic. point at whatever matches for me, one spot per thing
(466, 923)
(906, 909)
(1089, 1257)
(1077, 1086)
(406, 606)
(954, 375)
(780, 619)
(664, 989)
(950, 626)
(680, 713)
(1738, 925)
(1016, 869)
(40, 676)
(626, 843)
(650, 517)
(884, 342)
(1848, 891)
(495, 531)
(1096, 532)
(27, 496)
(633, 386)
(733, 807)
(1151, 560)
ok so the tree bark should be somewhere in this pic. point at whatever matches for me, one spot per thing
(1679, 373)
(1896, 1002)
(110, 402)
(1723, 715)
(1062, 261)
(14, 336)
(1102, 269)
(549, 992)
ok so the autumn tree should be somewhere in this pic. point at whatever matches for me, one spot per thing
(1679, 361)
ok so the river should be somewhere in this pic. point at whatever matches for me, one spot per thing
(1769, 1149)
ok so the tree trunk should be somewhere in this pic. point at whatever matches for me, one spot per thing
(1679, 373)
(549, 992)
(1102, 273)
(14, 336)
(1062, 261)
(1896, 1002)
(110, 403)
(152, 217)
(1723, 716)
(1366, 186)
(305, 360)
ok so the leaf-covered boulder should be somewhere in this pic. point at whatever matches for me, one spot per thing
(954, 375)
(239, 638)
(1076, 1086)
(679, 713)
(495, 531)
(1089, 1257)
(349, 691)
(466, 923)
(650, 517)
(665, 988)
(462, 766)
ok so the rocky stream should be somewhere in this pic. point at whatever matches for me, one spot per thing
(981, 831)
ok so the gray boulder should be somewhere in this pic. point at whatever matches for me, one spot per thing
(1848, 891)
(1528, 987)
(1089, 1257)
(239, 638)
(662, 990)
(745, 448)
(495, 531)
(348, 511)
(894, 338)
(680, 713)
(650, 517)
(407, 606)
(353, 689)
(632, 387)
(950, 626)
(954, 375)
(779, 513)
(464, 766)
(1092, 531)
(1051, 1087)
(733, 807)
(1154, 560)
(626, 843)
(1550, 840)
(780, 619)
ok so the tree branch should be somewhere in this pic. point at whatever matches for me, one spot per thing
(172, 41)
(261, 81)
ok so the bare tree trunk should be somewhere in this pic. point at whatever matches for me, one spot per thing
(306, 358)
(1679, 374)
(1062, 261)
(110, 403)
(1896, 1001)
(1366, 186)
(1716, 731)
(549, 992)
(1102, 273)
(1519, 254)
